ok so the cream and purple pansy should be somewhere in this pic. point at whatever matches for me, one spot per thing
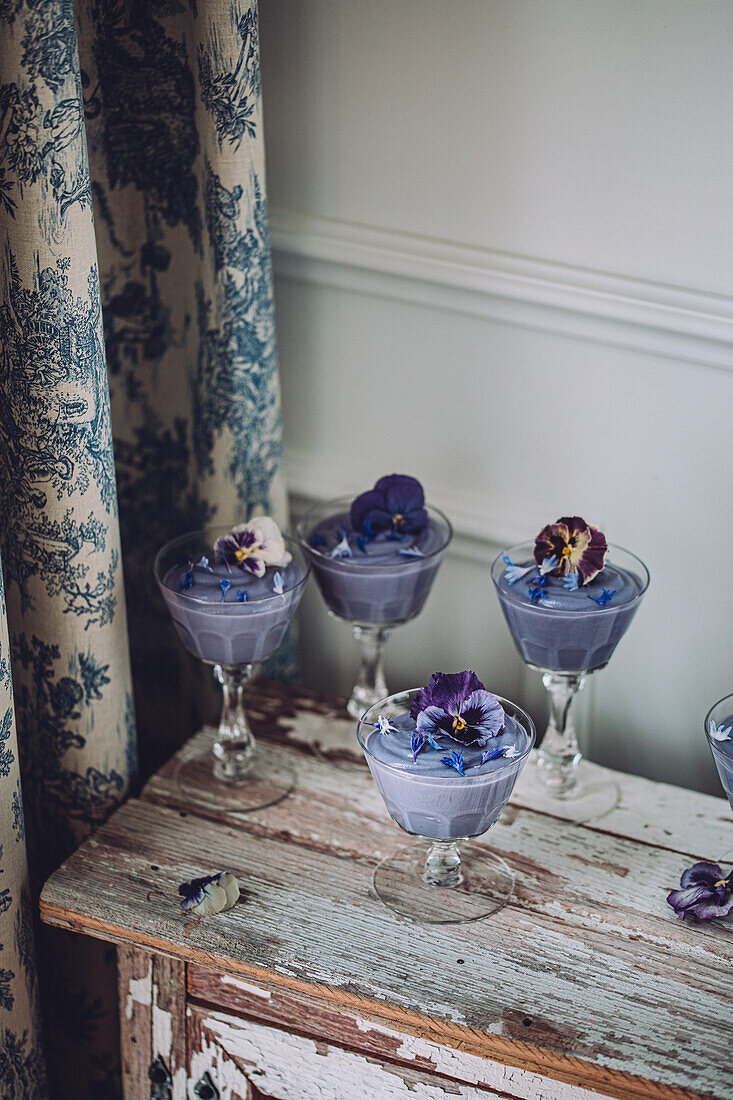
(706, 893)
(253, 546)
(458, 706)
(571, 546)
(209, 894)
(395, 506)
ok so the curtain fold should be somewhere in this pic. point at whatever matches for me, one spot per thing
(136, 293)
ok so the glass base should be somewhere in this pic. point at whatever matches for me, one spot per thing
(591, 797)
(269, 779)
(485, 886)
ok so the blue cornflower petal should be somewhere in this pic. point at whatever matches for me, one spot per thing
(225, 585)
(204, 564)
(411, 552)
(342, 549)
(186, 580)
(536, 593)
(278, 585)
(455, 760)
(241, 595)
(720, 733)
(316, 541)
(605, 597)
(434, 744)
(417, 744)
(361, 541)
(570, 581)
(548, 565)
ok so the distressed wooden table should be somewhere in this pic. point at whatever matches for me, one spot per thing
(585, 985)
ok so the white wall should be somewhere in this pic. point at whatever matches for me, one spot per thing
(504, 251)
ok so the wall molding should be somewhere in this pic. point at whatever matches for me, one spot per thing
(480, 529)
(662, 320)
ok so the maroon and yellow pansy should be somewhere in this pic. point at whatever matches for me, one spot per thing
(571, 546)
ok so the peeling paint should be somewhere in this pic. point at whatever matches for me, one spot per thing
(139, 991)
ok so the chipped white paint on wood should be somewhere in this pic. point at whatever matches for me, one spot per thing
(206, 1055)
(351, 1029)
(281, 1064)
(139, 991)
(596, 1001)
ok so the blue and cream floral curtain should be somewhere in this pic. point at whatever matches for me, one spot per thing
(135, 303)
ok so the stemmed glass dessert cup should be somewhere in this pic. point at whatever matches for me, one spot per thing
(233, 634)
(442, 877)
(373, 596)
(566, 646)
(719, 720)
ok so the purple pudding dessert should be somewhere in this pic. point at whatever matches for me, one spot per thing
(232, 595)
(719, 732)
(375, 558)
(569, 598)
(445, 758)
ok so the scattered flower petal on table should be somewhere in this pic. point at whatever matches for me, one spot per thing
(209, 894)
(706, 892)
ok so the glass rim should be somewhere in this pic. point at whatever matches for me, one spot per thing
(711, 740)
(507, 763)
(308, 549)
(290, 542)
(645, 578)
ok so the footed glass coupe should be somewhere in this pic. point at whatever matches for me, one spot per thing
(566, 630)
(443, 796)
(719, 732)
(231, 595)
(375, 579)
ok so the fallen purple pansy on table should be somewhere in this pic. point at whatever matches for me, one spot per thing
(705, 894)
(209, 894)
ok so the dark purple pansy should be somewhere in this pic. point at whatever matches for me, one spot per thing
(571, 546)
(457, 705)
(396, 505)
(706, 893)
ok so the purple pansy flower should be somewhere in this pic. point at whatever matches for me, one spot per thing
(396, 505)
(458, 706)
(576, 547)
(253, 546)
(706, 892)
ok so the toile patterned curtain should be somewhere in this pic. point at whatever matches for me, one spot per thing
(138, 400)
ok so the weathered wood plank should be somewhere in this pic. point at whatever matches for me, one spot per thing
(298, 1013)
(308, 922)
(210, 1064)
(169, 1020)
(648, 812)
(135, 989)
(287, 1067)
(578, 876)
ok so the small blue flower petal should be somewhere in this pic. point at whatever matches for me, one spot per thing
(548, 565)
(605, 597)
(186, 580)
(241, 595)
(278, 585)
(570, 581)
(536, 593)
(204, 564)
(411, 552)
(342, 549)
(720, 733)
(225, 585)
(417, 744)
(455, 760)
(316, 541)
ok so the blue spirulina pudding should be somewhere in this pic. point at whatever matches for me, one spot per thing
(231, 599)
(375, 557)
(446, 757)
(569, 598)
(719, 732)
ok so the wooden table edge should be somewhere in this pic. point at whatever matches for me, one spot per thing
(513, 1052)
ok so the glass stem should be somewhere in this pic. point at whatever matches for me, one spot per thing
(559, 756)
(443, 864)
(370, 684)
(234, 747)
